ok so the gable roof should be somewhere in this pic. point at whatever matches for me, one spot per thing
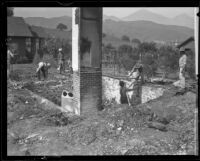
(38, 32)
(185, 42)
(16, 26)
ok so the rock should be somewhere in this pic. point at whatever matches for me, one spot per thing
(121, 122)
(120, 128)
(21, 117)
(157, 125)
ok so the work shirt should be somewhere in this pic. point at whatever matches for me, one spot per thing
(40, 65)
(182, 61)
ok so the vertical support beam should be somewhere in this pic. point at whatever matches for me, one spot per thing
(196, 37)
(196, 41)
(86, 59)
(75, 58)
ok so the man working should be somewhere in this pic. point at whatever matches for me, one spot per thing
(60, 61)
(43, 67)
(182, 65)
(136, 79)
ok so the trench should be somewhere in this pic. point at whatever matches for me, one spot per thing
(50, 92)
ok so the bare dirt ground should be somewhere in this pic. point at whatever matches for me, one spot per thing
(162, 126)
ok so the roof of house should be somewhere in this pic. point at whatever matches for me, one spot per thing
(16, 26)
(185, 42)
(38, 32)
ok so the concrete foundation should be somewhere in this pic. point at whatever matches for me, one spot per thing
(111, 90)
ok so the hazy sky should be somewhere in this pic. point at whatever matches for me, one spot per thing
(114, 11)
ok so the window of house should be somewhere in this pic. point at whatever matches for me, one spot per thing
(28, 44)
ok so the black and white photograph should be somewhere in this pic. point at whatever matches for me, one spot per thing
(101, 81)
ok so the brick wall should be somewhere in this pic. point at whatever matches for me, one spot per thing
(76, 92)
(88, 91)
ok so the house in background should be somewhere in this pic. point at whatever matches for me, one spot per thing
(38, 39)
(188, 44)
(25, 40)
(18, 33)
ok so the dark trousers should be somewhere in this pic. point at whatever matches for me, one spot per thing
(42, 71)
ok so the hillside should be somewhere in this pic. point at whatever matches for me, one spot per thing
(180, 20)
(114, 41)
(147, 30)
(146, 16)
(105, 17)
(54, 21)
(67, 35)
(143, 30)
(49, 22)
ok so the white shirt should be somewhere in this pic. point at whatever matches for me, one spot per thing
(40, 65)
(182, 61)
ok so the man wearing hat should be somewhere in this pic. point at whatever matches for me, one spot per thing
(60, 60)
(182, 65)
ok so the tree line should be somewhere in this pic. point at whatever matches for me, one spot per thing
(153, 57)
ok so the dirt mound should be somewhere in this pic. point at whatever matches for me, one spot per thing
(57, 119)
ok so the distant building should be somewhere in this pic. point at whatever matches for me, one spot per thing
(18, 33)
(38, 39)
(24, 39)
(188, 44)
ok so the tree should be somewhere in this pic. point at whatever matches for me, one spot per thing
(148, 51)
(125, 38)
(10, 11)
(125, 49)
(168, 58)
(61, 26)
(137, 41)
(109, 46)
(147, 47)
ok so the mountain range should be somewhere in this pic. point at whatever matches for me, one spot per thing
(147, 30)
(180, 20)
(152, 26)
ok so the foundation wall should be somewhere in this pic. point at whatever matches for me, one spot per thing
(111, 90)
